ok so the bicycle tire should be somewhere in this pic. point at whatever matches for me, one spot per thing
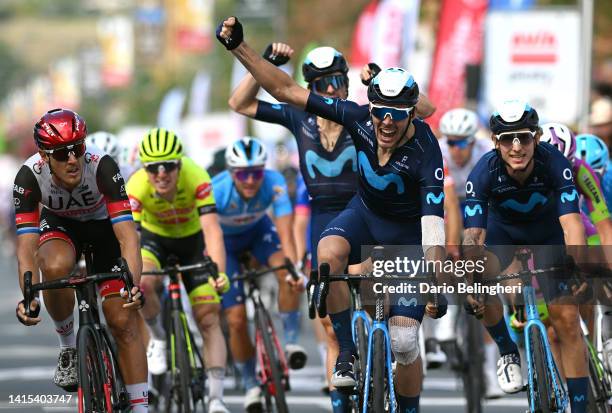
(377, 386)
(541, 380)
(120, 399)
(181, 386)
(264, 324)
(93, 396)
(597, 399)
(362, 353)
(473, 371)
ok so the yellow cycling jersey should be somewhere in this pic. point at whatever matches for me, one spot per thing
(179, 218)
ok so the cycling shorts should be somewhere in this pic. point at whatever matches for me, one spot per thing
(98, 233)
(319, 219)
(548, 247)
(361, 228)
(261, 241)
(189, 250)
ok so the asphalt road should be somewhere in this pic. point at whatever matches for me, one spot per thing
(28, 357)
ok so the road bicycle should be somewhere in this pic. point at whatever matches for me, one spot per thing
(273, 367)
(377, 390)
(545, 389)
(600, 390)
(187, 373)
(101, 387)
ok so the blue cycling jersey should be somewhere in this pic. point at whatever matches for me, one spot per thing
(410, 184)
(301, 193)
(330, 176)
(606, 184)
(237, 215)
(548, 191)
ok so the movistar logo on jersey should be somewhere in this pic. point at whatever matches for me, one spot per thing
(535, 199)
(435, 199)
(379, 182)
(276, 106)
(565, 197)
(469, 211)
(329, 101)
(403, 301)
(330, 169)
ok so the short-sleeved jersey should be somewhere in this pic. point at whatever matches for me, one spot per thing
(460, 173)
(548, 190)
(238, 215)
(302, 199)
(410, 184)
(330, 176)
(591, 192)
(606, 184)
(100, 194)
(181, 217)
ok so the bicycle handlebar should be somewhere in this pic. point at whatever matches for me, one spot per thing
(72, 281)
(205, 265)
(288, 265)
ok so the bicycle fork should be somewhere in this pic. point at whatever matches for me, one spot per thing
(533, 319)
(379, 325)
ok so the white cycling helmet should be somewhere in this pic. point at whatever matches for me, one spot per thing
(105, 141)
(459, 122)
(246, 152)
(561, 137)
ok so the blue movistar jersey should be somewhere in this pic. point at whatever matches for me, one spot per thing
(410, 184)
(548, 191)
(330, 176)
(238, 215)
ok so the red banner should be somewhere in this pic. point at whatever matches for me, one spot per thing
(362, 37)
(459, 43)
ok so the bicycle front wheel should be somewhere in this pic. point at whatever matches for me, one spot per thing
(542, 390)
(473, 371)
(93, 395)
(275, 388)
(378, 388)
(362, 352)
(181, 366)
(598, 397)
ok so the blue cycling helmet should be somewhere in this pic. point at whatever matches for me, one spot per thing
(246, 152)
(323, 61)
(393, 86)
(592, 150)
(513, 115)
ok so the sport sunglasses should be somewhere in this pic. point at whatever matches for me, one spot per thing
(396, 114)
(508, 139)
(243, 174)
(62, 154)
(460, 143)
(157, 167)
(321, 85)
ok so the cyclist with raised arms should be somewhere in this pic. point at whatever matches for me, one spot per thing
(328, 161)
(244, 193)
(523, 193)
(400, 188)
(83, 200)
(173, 203)
(587, 181)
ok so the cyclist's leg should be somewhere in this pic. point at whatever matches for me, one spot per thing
(153, 258)
(56, 258)
(206, 306)
(123, 323)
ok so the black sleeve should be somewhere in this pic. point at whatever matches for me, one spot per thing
(26, 199)
(110, 181)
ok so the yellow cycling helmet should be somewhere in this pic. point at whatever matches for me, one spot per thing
(160, 145)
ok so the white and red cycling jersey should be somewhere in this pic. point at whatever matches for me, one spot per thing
(101, 193)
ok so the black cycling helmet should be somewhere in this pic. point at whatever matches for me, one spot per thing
(513, 115)
(323, 61)
(393, 86)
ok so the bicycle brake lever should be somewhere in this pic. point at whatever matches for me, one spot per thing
(126, 277)
(311, 288)
(27, 291)
(291, 269)
(323, 289)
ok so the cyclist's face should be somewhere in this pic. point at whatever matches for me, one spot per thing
(517, 150)
(388, 131)
(329, 90)
(164, 181)
(247, 181)
(68, 172)
(460, 149)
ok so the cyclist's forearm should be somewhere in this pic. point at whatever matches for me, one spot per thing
(244, 98)
(130, 247)
(573, 229)
(27, 244)
(213, 239)
(473, 242)
(604, 229)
